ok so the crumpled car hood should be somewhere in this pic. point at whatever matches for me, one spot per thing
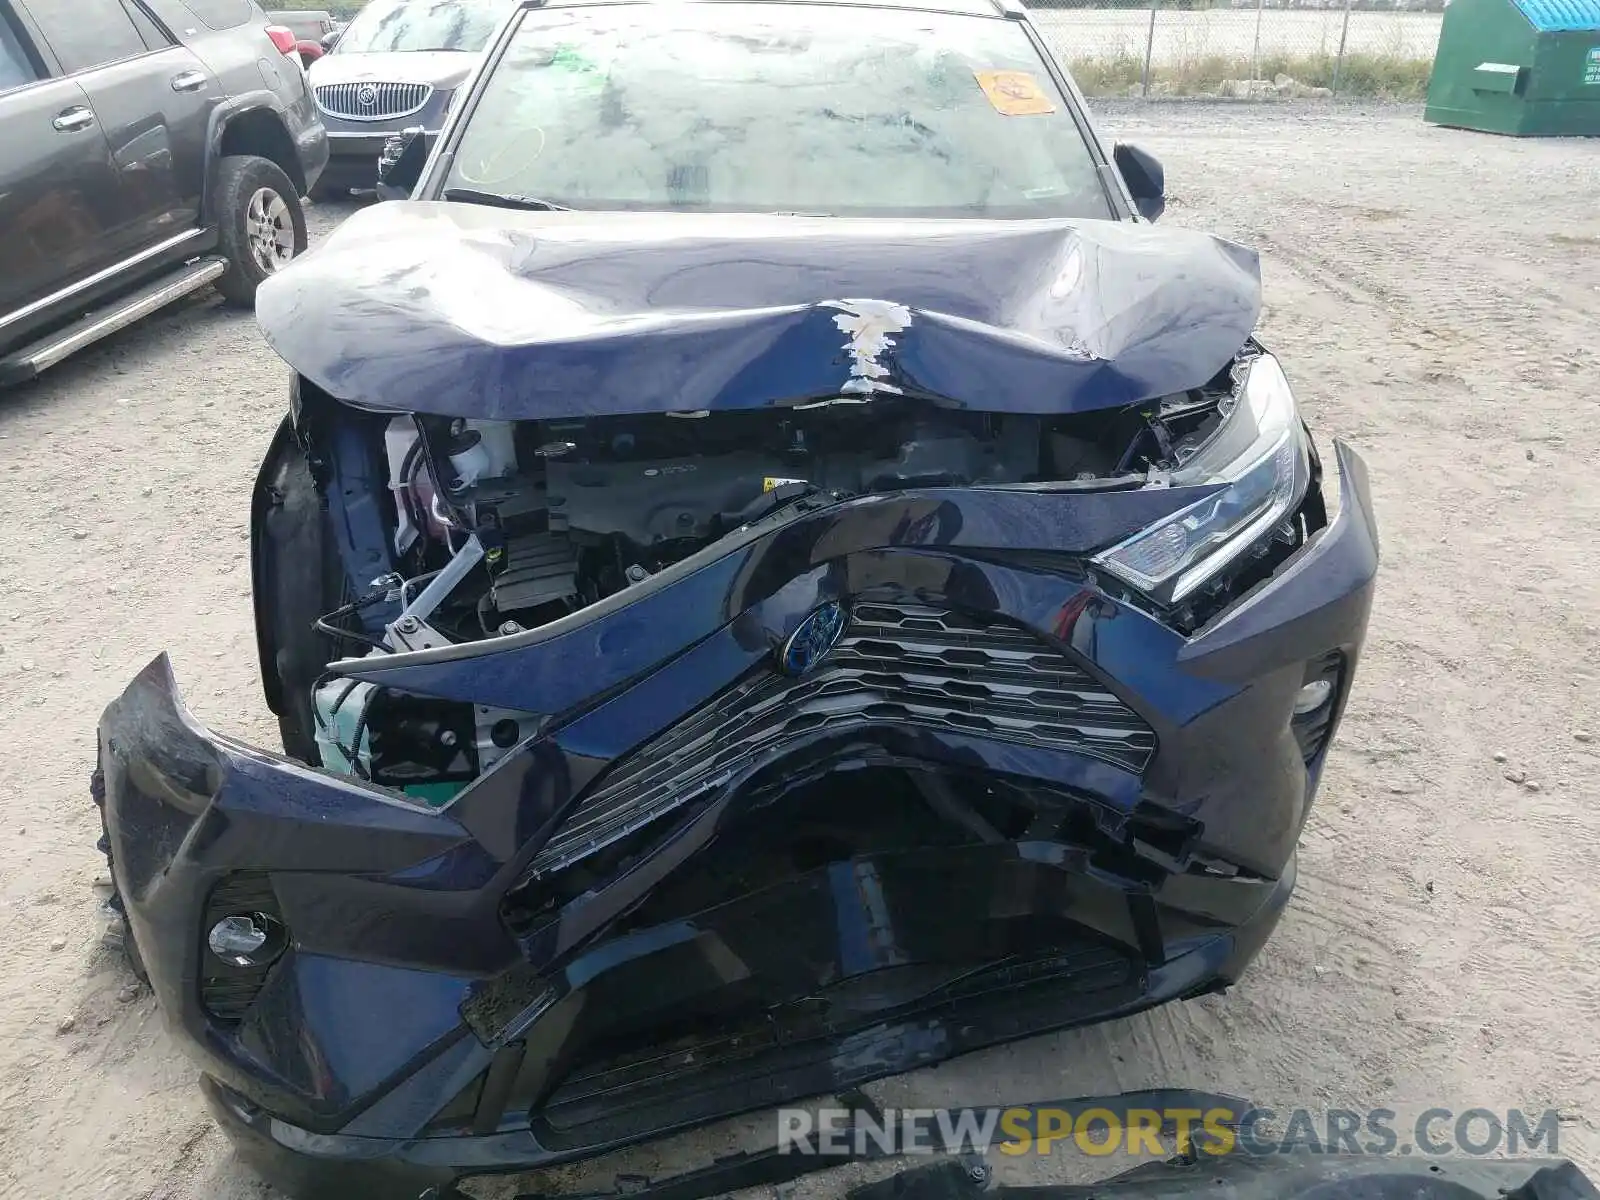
(471, 311)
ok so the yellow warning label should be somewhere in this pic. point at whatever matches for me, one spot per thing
(1015, 93)
(775, 481)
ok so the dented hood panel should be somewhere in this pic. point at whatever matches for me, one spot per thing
(480, 312)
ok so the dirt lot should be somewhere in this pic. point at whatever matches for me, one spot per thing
(1437, 298)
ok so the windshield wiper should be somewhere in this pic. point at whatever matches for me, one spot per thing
(527, 203)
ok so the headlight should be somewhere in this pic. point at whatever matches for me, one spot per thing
(1259, 452)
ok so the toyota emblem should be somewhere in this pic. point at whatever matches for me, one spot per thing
(815, 636)
(367, 97)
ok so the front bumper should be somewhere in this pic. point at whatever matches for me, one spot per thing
(444, 1009)
(355, 146)
(353, 163)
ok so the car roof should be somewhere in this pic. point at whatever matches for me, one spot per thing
(978, 8)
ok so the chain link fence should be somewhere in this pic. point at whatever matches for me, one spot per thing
(1245, 49)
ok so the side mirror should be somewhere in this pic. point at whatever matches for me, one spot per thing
(1146, 180)
(330, 40)
(400, 165)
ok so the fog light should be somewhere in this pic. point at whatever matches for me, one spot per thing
(1312, 721)
(246, 939)
(1312, 696)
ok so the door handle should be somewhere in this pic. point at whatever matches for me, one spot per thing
(73, 119)
(189, 81)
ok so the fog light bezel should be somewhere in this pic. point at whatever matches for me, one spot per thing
(226, 988)
(274, 941)
(1313, 727)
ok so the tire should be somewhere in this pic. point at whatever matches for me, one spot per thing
(132, 956)
(300, 578)
(261, 224)
(299, 743)
(130, 947)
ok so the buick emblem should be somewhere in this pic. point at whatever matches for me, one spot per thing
(816, 635)
(367, 97)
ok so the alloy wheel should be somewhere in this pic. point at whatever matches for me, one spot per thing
(269, 229)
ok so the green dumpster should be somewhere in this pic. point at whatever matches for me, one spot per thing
(1526, 67)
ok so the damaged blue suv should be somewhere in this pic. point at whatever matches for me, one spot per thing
(775, 573)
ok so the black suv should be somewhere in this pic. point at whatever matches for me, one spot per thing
(152, 147)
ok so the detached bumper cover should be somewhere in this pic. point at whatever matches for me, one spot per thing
(412, 1033)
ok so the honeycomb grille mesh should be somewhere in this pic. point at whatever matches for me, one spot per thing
(905, 664)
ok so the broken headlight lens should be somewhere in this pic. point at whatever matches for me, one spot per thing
(1259, 452)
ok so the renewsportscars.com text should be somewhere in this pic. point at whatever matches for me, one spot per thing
(1142, 1132)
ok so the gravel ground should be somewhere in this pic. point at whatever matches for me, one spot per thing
(1434, 296)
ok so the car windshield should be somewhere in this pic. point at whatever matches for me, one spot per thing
(754, 107)
(385, 25)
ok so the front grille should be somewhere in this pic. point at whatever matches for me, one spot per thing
(372, 101)
(904, 664)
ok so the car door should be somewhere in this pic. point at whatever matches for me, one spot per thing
(57, 183)
(152, 99)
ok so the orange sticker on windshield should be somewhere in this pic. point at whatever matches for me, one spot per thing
(1015, 93)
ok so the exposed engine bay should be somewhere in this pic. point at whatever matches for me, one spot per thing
(501, 527)
(573, 511)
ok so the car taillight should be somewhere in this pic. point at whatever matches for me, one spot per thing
(283, 38)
